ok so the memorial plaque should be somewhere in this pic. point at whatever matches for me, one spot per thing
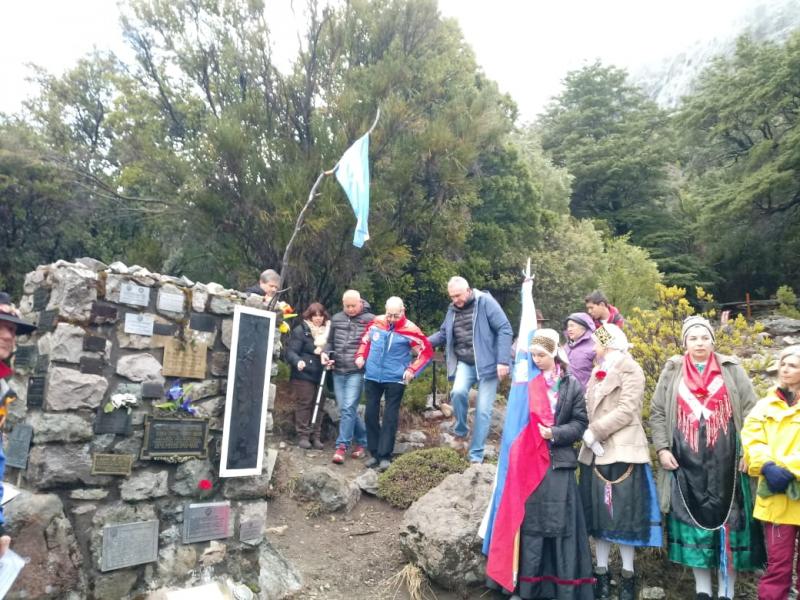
(251, 530)
(129, 544)
(104, 313)
(94, 343)
(171, 436)
(91, 365)
(184, 359)
(47, 320)
(170, 302)
(25, 358)
(201, 322)
(136, 295)
(207, 521)
(117, 421)
(36, 387)
(41, 296)
(112, 464)
(247, 393)
(42, 364)
(152, 390)
(139, 324)
(19, 444)
(164, 329)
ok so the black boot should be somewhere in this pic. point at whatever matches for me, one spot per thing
(702, 596)
(627, 587)
(602, 587)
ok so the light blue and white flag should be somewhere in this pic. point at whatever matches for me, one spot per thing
(352, 172)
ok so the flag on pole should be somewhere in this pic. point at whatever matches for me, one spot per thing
(352, 172)
(523, 459)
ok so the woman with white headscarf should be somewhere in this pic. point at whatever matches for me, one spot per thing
(696, 414)
(616, 482)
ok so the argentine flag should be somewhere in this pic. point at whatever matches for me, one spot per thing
(352, 172)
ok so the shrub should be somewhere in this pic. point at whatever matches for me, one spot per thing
(787, 302)
(413, 475)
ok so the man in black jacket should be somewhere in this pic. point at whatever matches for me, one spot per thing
(347, 327)
(267, 285)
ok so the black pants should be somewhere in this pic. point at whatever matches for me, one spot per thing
(380, 436)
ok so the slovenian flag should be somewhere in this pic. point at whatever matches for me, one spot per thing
(352, 172)
(523, 460)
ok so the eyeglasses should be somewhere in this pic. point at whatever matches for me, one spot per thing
(394, 315)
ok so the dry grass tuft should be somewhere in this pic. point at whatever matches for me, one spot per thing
(413, 580)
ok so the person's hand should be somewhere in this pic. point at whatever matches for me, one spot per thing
(502, 371)
(742, 465)
(545, 432)
(778, 478)
(5, 542)
(360, 362)
(667, 460)
(325, 359)
(408, 375)
(301, 364)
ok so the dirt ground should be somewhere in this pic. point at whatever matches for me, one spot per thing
(354, 556)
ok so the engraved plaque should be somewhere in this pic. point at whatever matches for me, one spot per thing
(129, 544)
(41, 296)
(42, 364)
(152, 390)
(136, 295)
(36, 386)
(112, 464)
(92, 365)
(170, 302)
(117, 421)
(251, 530)
(19, 444)
(47, 320)
(25, 358)
(139, 324)
(171, 436)
(201, 322)
(164, 329)
(93, 343)
(184, 359)
(207, 521)
(104, 313)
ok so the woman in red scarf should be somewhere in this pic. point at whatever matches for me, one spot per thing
(697, 412)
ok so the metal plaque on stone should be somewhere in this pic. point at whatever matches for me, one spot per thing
(104, 313)
(251, 530)
(170, 302)
(201, 322)
(19, 445)
(206, 521)
(117, 421)
(112, 464)
(139, 324)
(42, 364)
(133, 294)
(152, 390)
(164, 328)
(41, 296)
(94, 343)
(184, 359)
(25, 358)
(247, 393)
(47, 320)
(129, 544)
(171, 436)
(91, 365)
(36, 387)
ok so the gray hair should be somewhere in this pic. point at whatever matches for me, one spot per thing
(269, 275)
(354, 294)
(396, 302)
(790, 351)
(458, 283)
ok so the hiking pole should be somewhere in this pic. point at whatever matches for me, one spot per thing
(319, 396)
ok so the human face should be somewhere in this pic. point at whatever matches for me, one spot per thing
(394, 314)
(8, 336)
(459, 295)
(269, 287)
(698, 344)
(318, 320)
(597, 311)
(789, 372)
(542, 359)
(351, 306)
(600, 350)
(574, 330)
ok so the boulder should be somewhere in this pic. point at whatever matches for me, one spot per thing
(74, 291)
(140, 367)
(254, 487)
(330, 490)
(277, 578)
(144, 485)
(440, 530)
(67, 427)
(189, 474)
(68, 389)
(66, 344)
(777, 325)
(59, 465)
(368, 482)
(199, 297)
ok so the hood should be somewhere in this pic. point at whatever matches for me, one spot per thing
(583, 319)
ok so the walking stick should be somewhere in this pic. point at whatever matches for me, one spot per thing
(319, 397)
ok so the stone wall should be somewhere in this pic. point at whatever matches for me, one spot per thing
(66, 373)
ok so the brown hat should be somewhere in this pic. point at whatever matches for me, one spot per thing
(23, 327)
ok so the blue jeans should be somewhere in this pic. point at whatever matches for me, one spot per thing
(466, 376)
(347, 388)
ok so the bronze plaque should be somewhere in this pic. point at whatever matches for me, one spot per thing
(185, 360)
(171, 436)
(112, 464)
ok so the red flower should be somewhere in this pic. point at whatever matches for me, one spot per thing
(600, 375)
(701, 393)
(204, 484)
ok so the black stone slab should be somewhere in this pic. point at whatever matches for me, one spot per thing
(25, 358)
(202, 322)
(42, 364)
(36, 387)
(129, 544)
(41, 296)
(171, 436)
(19, 445)
(164, 329)
(117, 421)
(92, 365)
(47, 320)
(104, 313)
(93, 343)
(152, 390)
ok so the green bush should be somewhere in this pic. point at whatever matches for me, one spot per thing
(416, 396)
(414, 474)
(787, 302)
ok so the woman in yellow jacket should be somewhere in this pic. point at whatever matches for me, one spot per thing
(771, 440)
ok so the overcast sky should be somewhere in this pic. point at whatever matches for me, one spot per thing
(527, 46)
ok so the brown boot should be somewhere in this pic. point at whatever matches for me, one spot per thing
(304, 443)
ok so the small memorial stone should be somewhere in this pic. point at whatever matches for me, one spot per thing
(93, 343)
(42, 364)
(19, 444)
(117, 421)
(139, 324)
(136, 295)
(201, 322)
(129, 544)
(152, 390)
(92, 365)
(104, 313)
(41, 296)
(36, 387)
(164, 329)
(47, 320)
(170, 302)
(207, 521)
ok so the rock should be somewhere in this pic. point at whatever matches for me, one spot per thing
(331, 490)
(220, 305)
(118, 267)
(74, 291)
(440, 530)
(68, 389)
(83, 509)
(447, 410)
(777, 325)
(214, 554)
(175, 562)
(189, 474)
(253, 511)
(273, 393)
(140, 367)
(255, 487)
(405, 448)
(653, 593)
(277, 578)
(414, 437)
(204, 389)
(92, 264)
(48, 427)
(66, 343)
(227, 332)
(88, 494)
(117, 584)
(498, 419)
(219, 363)
(279, 530)
(34, 279)
(432, 415)
(368, 482)
(143, 486)
(199, 297)
(167, 291)
(57, 465)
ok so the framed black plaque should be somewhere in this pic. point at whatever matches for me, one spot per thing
(112, 464)
(36, 387)
(247, 395)
(25, 358)
(47, 320)
(202, 322)
(164, 328)
(92, 365)
(19, 444)
(93, 343)
(172, 436)
(129, 544)
(117, 421)
(41, 296)
(207, 521)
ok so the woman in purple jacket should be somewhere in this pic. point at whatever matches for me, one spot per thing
(580, 347)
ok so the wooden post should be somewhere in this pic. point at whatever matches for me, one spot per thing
(747, 303)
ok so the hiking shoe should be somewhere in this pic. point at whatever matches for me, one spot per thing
(304, 443)
(338, 456)
(317, 445)
(358, 452)
(371, 462)
(383, 465)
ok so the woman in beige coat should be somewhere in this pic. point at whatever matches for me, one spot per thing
(616, 481)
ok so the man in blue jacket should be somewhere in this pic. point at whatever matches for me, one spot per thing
(477, 339)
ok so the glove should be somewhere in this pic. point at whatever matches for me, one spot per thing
(778, 478)
(592, 443)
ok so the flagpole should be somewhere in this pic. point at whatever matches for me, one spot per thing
(311, 195)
